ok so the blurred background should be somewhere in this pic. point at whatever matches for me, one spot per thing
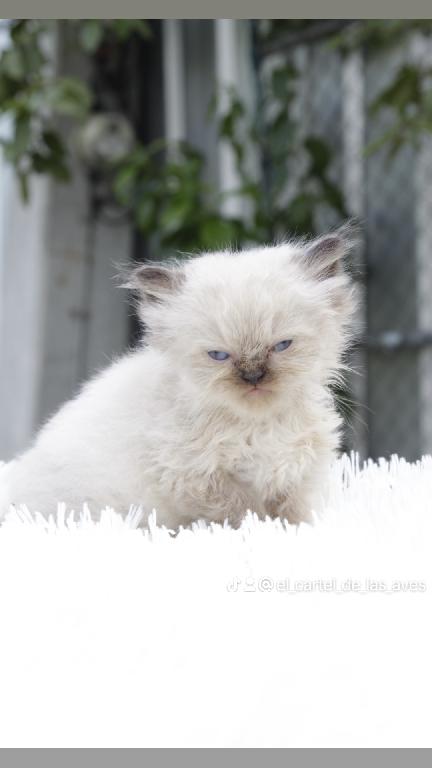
(133, 139)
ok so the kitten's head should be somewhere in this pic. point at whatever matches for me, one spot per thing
(253, 330)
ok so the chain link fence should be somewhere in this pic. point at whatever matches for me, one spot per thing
(392, 196)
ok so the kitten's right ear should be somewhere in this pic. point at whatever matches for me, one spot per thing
(155, 282)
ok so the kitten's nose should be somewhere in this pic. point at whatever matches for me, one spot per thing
(253, 377)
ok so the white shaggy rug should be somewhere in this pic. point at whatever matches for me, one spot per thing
(262, 637)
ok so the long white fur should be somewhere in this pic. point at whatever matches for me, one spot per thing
(167, 427)
(113, 636)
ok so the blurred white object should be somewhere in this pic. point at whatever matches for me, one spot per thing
(105, 139)
(265, 636)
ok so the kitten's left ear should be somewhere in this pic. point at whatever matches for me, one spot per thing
(325, 254)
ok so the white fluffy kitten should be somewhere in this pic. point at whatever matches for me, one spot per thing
(225, 408)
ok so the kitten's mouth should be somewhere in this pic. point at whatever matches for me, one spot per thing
(257, 391)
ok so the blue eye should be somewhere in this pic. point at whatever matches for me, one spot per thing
(218, 355)
(282, 345)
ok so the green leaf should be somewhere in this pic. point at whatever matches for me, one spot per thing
(23, 181)
(124, 183)
(54, 142)
(251, 189)
(145, 214)
(174, 214)
(123, 28)
(333, 196)
(91, 34)
(17, 29)
(217, 232)
(16, 147)
(280, 134)
(281, 82)
(69, 96)
(22, 134)
(298, 217)
(229, 122)
(393, 139)
(319, 153)
(12, 64)
(405, 90)
(34, 59)
(53, 165)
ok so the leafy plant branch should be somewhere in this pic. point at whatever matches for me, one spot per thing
(164, 192)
